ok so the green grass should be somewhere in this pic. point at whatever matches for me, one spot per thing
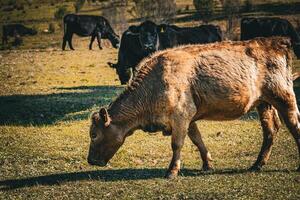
(46, 99)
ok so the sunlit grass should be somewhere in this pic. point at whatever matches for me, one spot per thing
(46, 98)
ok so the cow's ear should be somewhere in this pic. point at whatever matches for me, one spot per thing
(134, 29)
(161, 28)
(95, 118)
(105, 117)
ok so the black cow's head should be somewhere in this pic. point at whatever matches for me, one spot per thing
(124, 74)
(148, 35)
(32, 31)
(29, 31)
(108, 33)
(296, 48)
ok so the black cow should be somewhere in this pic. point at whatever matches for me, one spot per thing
(13, 30)
(139, 41)
(174, 35)
(130, 54)
(267, 27)
(88, 25)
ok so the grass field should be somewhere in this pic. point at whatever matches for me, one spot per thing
(46, 98)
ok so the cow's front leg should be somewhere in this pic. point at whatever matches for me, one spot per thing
(99, 40)
(178, 136)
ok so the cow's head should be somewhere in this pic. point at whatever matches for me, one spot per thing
(32, 31)
(114, 40)
(148, 35)
(108, 33)
(124, 74)
(106, 138)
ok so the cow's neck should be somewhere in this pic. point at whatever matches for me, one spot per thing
(130, 109)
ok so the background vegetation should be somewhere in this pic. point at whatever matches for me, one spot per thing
(47, 95)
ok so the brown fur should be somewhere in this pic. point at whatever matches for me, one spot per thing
(219, 81)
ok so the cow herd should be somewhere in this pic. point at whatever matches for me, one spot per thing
(177, 79)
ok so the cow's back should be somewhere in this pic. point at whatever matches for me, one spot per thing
(264, 27)
(221, 77)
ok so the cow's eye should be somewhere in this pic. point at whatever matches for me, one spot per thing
(93, 135)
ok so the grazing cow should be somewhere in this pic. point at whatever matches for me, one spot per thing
(267, 27)
(176, 87)
(140, 41)
(88, 25)
(130, 54)
(174, 36)
(13, 30)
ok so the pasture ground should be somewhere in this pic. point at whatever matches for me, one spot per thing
(47, 96)
(46, 99)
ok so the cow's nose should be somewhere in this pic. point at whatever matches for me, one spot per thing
(149, 47)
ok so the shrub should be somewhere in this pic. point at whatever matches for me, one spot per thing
(205, 9)
(248, 5)
(60, 12)
(231, 10)
(51, 28)
(29, 2)
(78, 5)
(12, 2)
(156, 10)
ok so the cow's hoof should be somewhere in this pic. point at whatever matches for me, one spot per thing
(207, 167)
(255, 168)
(100, 48)
(171, 175)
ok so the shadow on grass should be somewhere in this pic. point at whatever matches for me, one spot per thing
(114, 175)
(74, 104)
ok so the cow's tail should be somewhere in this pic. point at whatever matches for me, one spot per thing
(296, 75)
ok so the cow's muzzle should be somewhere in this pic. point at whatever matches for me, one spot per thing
(100, 163)
(149, 47)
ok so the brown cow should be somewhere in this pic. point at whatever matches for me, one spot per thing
(222, 81)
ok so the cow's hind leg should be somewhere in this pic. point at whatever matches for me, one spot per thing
(70, 41)
(286, 104)
(178, 136)
(270, 123)
(195, 135)
(92, 40)
(99, 40)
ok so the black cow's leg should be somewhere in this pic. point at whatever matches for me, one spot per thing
(195, 135)
(270, 123)
(64, 42)
(99, 40)
(70, 41)
(92, 40)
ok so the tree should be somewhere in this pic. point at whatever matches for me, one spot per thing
(78, 5)
(155, 10)
(115, 12)
(231, 9)
(205, 9)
